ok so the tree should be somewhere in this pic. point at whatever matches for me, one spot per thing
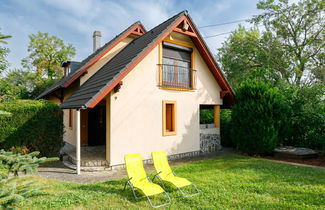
(249, 54)
(300, 30)
(3, 52)
(3, 37)
(13, 85)
(12, 190)
(46, 53)
(290, 46)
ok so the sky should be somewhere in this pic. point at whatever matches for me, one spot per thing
(74, 21)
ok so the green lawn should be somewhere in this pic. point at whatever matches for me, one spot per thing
(226, 182)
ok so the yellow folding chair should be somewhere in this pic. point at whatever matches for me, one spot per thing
(138, 180)
(165, 173)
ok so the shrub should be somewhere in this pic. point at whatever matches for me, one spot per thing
(206, 116)
(36, 125)
(257, 117)
(12, 190)
(307, 124)
(225, 128)
(16, 162)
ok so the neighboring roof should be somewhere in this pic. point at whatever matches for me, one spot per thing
(78, 69)
(74, 65)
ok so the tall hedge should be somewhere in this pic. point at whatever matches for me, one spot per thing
(308, 116)
(36, 125)
(258, 116)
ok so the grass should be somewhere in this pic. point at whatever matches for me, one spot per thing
(227, 182)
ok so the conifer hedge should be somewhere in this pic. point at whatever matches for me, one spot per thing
(31, 124)
(259, 116)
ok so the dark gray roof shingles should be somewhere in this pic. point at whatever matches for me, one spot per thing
(57, 85)
(113, 68)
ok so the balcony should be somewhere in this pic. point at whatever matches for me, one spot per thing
(176, 77)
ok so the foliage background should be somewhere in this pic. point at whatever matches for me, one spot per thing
(35, 125)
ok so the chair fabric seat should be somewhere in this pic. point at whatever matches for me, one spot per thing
(177, 181)
(148, 188)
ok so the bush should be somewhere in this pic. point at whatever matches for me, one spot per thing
(307, 125)
(36, 125)
(225, 128)
(206, 116)
(257, 117)
(12, 190)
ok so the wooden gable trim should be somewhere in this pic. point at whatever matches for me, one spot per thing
(188, 30)
(199, 43)
(140, 32)
(191, 34)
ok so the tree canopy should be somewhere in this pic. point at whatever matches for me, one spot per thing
(46, 54)
(41, 68)
(290, 45)
(3, 52)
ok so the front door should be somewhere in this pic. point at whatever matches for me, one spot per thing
(97, 126)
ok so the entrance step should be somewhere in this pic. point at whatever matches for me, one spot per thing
(92, 158)
(69, 164)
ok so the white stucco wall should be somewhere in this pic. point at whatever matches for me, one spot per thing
(136, 111)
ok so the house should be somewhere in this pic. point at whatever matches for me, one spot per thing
(143, 91)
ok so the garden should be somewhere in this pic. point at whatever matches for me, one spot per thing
(226, 182)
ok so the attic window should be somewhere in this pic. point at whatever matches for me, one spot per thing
(176, 67)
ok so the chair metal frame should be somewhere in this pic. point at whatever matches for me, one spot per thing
(134, 189)
(183, 193)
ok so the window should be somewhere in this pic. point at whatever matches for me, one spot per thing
(176, 68)
(169, 118)
(70, 118)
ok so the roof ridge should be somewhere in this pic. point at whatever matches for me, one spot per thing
(116, 66)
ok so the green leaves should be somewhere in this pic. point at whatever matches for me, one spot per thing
(289, 47)
(12, 190)
(257, 117)
(34, 125)
(16, 162)
(46, 54)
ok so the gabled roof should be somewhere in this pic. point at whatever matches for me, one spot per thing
(105, 79)
(136, 28)
(107, 75)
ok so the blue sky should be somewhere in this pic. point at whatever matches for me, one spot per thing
(75, 20)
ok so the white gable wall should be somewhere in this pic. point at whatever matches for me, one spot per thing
(136, 111)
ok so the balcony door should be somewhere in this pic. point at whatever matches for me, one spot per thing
(176, 66)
